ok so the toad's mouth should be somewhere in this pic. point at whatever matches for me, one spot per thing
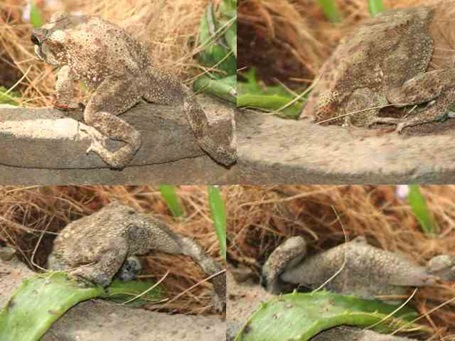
(39, 52)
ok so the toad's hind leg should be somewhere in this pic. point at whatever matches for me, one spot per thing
(437, 85)
(113, 97)
(430, 114)
(167, 90)
(108, 264)
(162, 238)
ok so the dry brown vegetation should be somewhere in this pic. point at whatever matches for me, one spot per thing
(168, 28)
(260, 218)
(290, 40)
(31, 217)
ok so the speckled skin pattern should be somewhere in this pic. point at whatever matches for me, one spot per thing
(95, 247)
(120, 72)
(383, 62)
(367, 271)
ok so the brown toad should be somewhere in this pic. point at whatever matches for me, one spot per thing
(386, 61)
(354, 268)
(119, 70)
(97, 247)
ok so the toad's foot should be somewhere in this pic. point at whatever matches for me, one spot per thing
(223, 152)
(116, 160)
(98, 139)
(436, 109)
(399, 122)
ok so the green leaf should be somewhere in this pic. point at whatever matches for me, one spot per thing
(270, 103)
(420, 209)
(218, 45)
(223, 88)
(169, 193)
(42, 299)
(228, 8)
(125, 292)
(269, 98)
(216, 53)
(36, 18)
(375, 7)
(231, 39)
(228, 15)
(217, 209)
(218, 50)
(8, 97)
(300, 316)
(330, 9)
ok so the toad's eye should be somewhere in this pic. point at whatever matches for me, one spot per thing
(38, 35)
(34, 39)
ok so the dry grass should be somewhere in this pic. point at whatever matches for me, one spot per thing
(261, 218)
(290, 40)
(167, 27)
(31, 217)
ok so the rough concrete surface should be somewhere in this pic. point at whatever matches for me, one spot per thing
(274, 150)
(242, 300)
(98, 320)
(39, 147)
(42, 146)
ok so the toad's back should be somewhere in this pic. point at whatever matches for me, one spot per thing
(87, 239)
(383, 52)
(98, 47)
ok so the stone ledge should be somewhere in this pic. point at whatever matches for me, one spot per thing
(42, 147)
(273, 150)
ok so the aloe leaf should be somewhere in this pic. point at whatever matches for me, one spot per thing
(42, 299)
(375, 7)
(270, 103)
(231, 39)
(420, 209)
(8, 97)
(36, 18)
(330, 10)
(228, 8)
(224, 88)
(228, 15)
(169, 193)
(300, 316)
(134, 293)
(215, 51)
(268, 98)
(218, 211)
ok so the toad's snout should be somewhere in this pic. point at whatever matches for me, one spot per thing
(38, 35)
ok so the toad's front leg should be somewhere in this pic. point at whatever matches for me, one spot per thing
(64, 88)
(113, 97)
(284, 257)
